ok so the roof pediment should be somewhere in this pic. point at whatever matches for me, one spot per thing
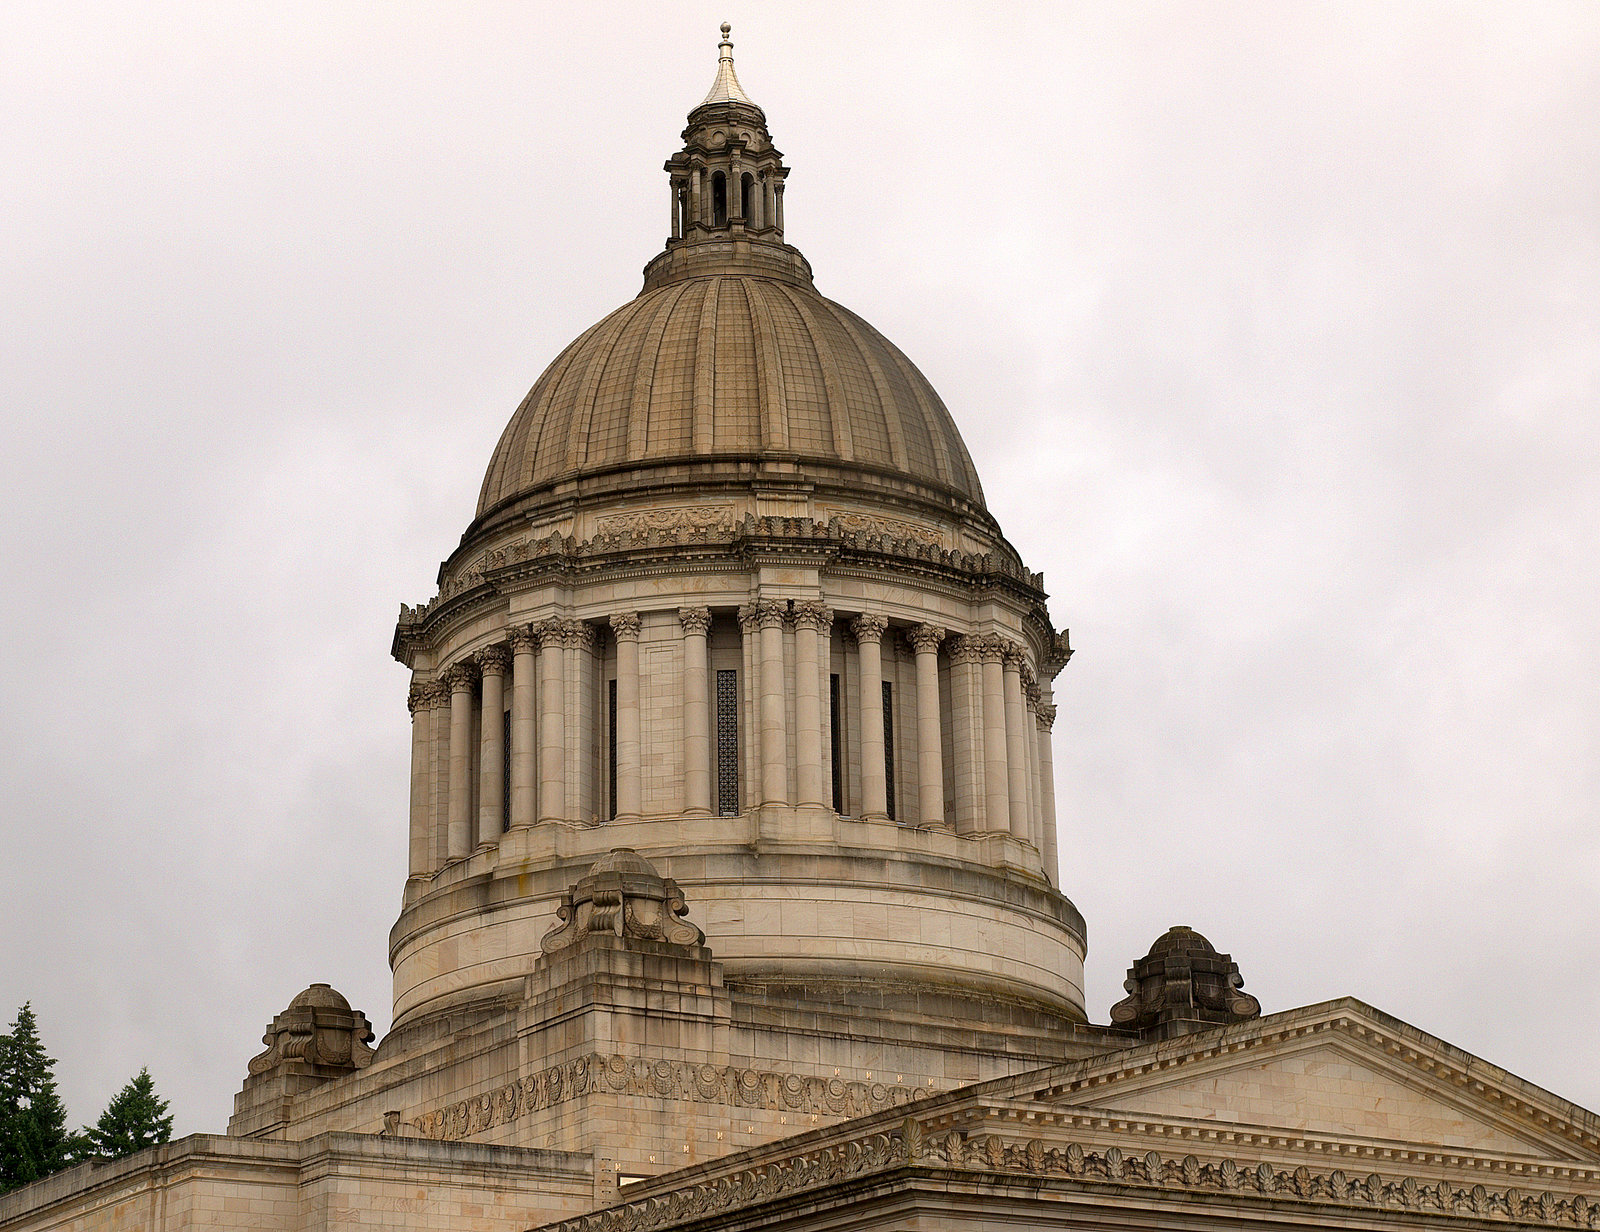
(1340, 1071)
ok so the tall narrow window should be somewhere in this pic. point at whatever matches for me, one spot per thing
(719, 199)
(838, 743)
(888, 748)
(747, 198)
(611, 776)
(505, 773)
(727, 743)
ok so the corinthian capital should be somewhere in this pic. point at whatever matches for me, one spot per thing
(966, 649)
(868, 628)
(579, 633)
(1047, 717)
(459, 677)
(625, 626)
(493, 660)
(695, 620)
(524, 638)
(924, 638)
(809, 614)
(763, 614)
(417, 698)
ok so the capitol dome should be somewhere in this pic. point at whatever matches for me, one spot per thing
(732, 600)
(730, 366)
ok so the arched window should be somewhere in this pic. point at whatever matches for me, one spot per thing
(719, 199)
(747, 199)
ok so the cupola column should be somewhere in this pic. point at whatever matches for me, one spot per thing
(925, 641)
(420, 702)
(524, 726)
(492, 664)
(696, 196)
(696, 623)
(1016, 711)
(811, 620)
(677, 209)
(438, 774)
(765, 618)
(996, 783)
(874, 777)
(1047, 792)
(778, 208)
(552, 725)
(625, 628)
(460, 678)
(769, 200)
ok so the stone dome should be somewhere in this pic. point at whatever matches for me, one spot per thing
(734, 365)
(1181, 939)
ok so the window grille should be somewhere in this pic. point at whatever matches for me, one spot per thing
(888, 748)
(727, 743)
(837, 735)
(505, 772)
(611, 775)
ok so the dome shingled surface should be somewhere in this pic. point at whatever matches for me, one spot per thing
(729, 365)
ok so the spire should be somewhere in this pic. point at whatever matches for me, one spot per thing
(726, 88)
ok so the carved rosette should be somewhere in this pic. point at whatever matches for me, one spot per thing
(809, 614)
(493, 660)
(868, 628)
(622, 896)
(625, 626)
(924, 639)
(696, 621)
(459, 677)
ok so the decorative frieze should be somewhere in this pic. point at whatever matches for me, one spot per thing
(1078, 1166)
(728, 1085)
(689, 523)
(882, 528)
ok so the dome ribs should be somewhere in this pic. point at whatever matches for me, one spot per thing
(531, 418)
(935, 415)
(736, 405)
(833, 418)
(773, 406)
(644, 374)
(705, 369)
(580, 423)
(889, 422)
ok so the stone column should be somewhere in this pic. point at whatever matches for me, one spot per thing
(779, 214)
(677, 204)
(736, 189)
(966, 732)
(460, 678)
(438, 700)
(493, 661)
(769, 199)
(1047, 794)
(419, 702)
(696, 196)
(552, 722)
(582, 642)
(524, 726)
(1016, 718)
(625, 627)
(767, 616)
(696, 623)
(996, 784)
(811, 619)
(924, 641)
(874, 779)
(1030, 743)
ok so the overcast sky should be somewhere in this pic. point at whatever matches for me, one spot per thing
(1274, 330)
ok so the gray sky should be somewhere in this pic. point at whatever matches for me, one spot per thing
(1274, 330)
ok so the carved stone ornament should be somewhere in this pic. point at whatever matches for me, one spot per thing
(318, 1034)
(1013, 655)
(695, 620)
(459, 677)
(623, 896)
(966, 649)
(625, 626)
(523, 639)
(1047, 717)
(868, 628)
(493, 660)
(923, 638)
(1183, 985)
(809, 614)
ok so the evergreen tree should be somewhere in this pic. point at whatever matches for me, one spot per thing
(134, 1119)
(34, 1141)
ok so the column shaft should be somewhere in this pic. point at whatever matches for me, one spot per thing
(552, 725)
(625, 626)
(417, 852)
(524, 727)
(874, 779)
(492, 663)
(925, 641)
(769, 617)
(459, 834)
(997, 789)
(1047, 795)
(696, 622)
(811, 776)
(966, 733)
(1016, 713)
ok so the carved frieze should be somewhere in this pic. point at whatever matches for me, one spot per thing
(881, 527)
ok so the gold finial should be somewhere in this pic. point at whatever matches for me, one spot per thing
(726, 29)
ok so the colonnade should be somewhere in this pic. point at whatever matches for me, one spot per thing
(483, 763)
(692, 198)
